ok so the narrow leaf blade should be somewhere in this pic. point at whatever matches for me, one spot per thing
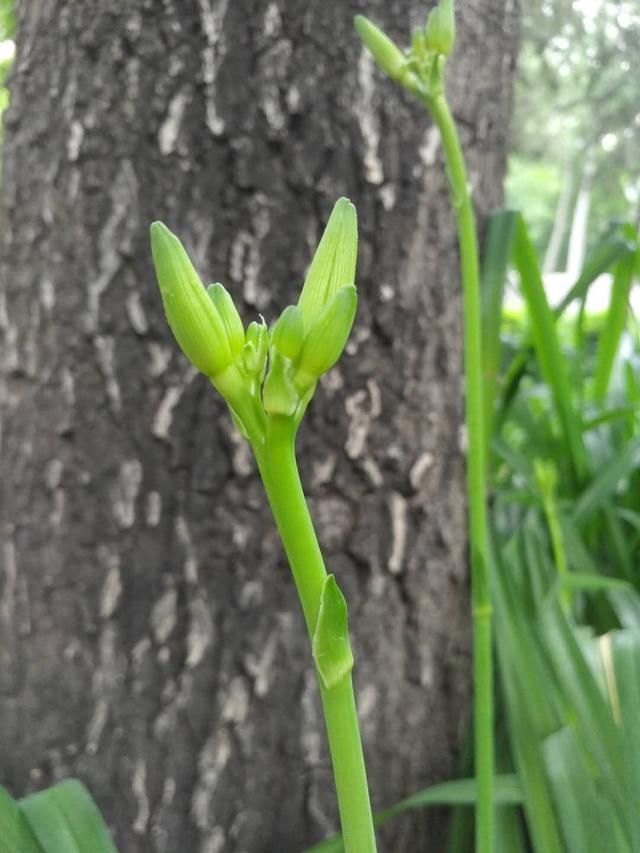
(65, 819)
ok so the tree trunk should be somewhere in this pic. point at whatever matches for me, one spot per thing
(151, 639)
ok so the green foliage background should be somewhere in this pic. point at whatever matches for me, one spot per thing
(7, 31)
(576, 107)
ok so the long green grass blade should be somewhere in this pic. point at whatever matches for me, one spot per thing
(547, 347)
(632, 381)
(574, 582)
(65, 819)
(539, 812)
(605, 483)
(608, 416)
(626, 607)
(588, 823)
(533, 710)
(609, 251)
(615, 245)
(498, 248)
(618, 543)
(15, 833)
(510, 835)
(614, 324)
(625, 700)
(600, 736)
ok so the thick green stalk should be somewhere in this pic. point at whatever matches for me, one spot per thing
(279, 471)
(476, 471)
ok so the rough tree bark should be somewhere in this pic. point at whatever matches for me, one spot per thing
(151, 639)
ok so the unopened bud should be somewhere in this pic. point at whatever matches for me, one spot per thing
(255, 348)
(328, 335)
(229, 316)
(334, 262)
(385, 52)
(418, 41)
(288, 332)
(193, 318)
(440, 30)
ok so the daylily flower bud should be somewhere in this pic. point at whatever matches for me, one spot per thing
(250, 357)
(418, 41)
(440, 30)
(388, 56)
(279, 395)
(255, 348)
(328, 335)
(192, 316)
(288, 332)
(229, 316)
(334, 262)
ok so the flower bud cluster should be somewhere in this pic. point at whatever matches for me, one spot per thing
(420, 68)
(263, 372)
(300, 354)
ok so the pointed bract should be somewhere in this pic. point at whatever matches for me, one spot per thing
(279, 395)
(334, 262)
(194, 321)
(330, 644)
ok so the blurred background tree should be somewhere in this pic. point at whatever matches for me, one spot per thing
(576, 128)
(7, 52)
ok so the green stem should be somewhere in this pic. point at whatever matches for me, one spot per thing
(279, 470)
(476, 471)
(341, 718)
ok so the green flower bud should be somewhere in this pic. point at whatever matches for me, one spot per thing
(193, 319)
(288, 332)
(418, 42)
(255, 348)
(448, 24)
(328, 335)
(334, 262)
(388, 56)
(432, 30)
(229, 316)
(279, 395)
(441, 28)
(250, 357)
